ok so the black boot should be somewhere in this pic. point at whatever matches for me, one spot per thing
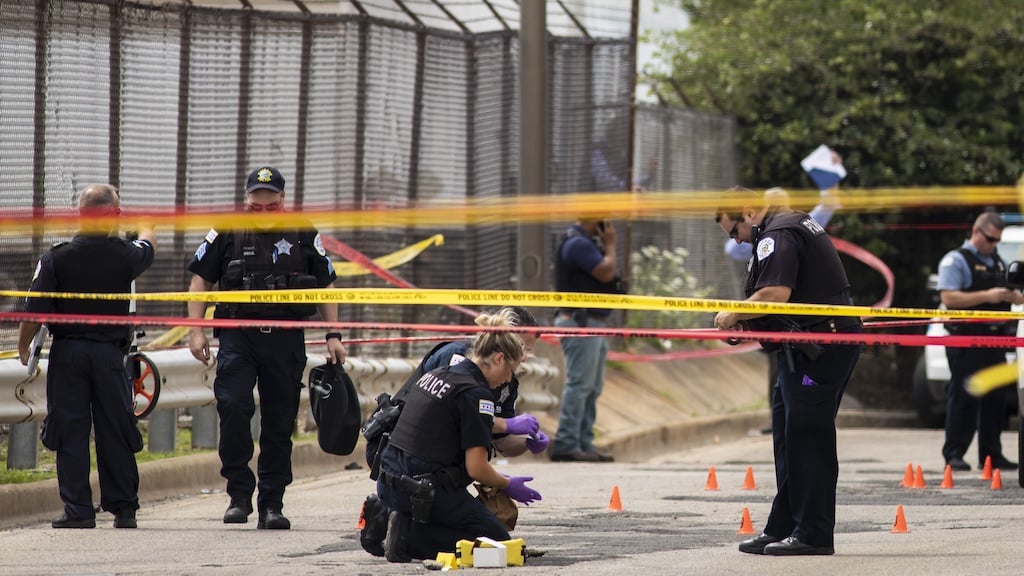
(396, 543)
(375, 525)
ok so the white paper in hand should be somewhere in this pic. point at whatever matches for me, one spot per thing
(822, 169)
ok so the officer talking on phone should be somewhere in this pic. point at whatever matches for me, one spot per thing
(584, 262)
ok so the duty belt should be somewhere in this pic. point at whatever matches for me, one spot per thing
(439, 480)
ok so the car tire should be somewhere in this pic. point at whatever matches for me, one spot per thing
(931, 410)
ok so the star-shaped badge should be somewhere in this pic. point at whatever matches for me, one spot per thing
(283, 247)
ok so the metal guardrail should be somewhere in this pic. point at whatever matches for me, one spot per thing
(187, 383)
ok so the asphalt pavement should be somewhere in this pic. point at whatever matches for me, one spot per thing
(669, 522)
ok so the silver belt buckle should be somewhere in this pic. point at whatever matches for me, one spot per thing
(266, 329)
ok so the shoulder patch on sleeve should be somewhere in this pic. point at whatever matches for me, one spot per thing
(211, 235)
(487, 407)
(456, 359)
(201, 251)
(39, 266)
(946, 262)
(765, 248)
(318, 245)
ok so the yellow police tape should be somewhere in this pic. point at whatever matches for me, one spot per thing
(389, 261)
(984, 381)
(437, 296)
(506, 210)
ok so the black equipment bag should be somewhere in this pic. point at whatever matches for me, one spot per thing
(335, 406)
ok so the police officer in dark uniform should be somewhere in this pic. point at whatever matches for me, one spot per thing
(272, 359)
(512, 434)
(794, 261)
(973, 277)
(87, 384)
(441, 444)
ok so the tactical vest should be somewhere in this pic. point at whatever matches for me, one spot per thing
(268, 261)
(97, 268)
(984, 277)
(568, 279)
(822, 278)
(427, 428)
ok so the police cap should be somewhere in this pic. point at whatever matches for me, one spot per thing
(265, 178)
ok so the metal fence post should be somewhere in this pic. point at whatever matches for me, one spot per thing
(205, 426)
(23, 446)
(163, 425)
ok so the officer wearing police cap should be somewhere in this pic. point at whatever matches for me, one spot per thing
(794, 261)
(273, 359)
(87, 384)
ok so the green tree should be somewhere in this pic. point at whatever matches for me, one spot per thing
(910, 93)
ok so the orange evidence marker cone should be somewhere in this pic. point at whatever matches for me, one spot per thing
(748, 482)
(362, 519)
(712, 483)
(616, 502)
(986, 472)
(947, 479)
(746, 526)
(997, 480)
(908, 476)
(919, 478)
(900, 526)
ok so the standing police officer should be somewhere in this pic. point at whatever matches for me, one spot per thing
(271, 358)
(972, 277)
(441, 444)
(794, 261)
(87, 384)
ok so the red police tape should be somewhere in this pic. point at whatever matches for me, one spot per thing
(353, 255)
(875, 263)
(684, 334)
(841, 245)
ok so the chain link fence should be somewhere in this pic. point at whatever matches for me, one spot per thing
(368, 103)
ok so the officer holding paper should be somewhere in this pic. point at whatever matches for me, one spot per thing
(825, 169)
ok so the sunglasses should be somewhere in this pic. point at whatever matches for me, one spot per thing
(735, 228)
(272, 207)
(991, 239)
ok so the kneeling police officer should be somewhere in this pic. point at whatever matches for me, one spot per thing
(512, 434)
(441, 444)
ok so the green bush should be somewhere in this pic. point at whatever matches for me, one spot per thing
(662, 272)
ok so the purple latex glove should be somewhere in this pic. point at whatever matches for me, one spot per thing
(522, 424)
(519, 491)
(537, 443)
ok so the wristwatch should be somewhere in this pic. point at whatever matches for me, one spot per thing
(330, 335)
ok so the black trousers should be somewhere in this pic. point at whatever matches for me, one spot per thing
(455, 515)
(965, 413)
(87, 387)
(805, 401)
(273, 363)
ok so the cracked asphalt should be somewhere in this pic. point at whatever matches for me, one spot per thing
(669, 523)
